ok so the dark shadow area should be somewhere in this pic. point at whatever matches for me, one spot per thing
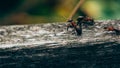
(105, 55)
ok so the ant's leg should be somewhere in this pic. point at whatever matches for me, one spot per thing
(68, 28)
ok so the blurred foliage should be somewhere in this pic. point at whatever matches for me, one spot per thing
(44, 11)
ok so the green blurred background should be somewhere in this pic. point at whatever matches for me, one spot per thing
(44, 11)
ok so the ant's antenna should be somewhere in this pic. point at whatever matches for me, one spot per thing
(64, 17)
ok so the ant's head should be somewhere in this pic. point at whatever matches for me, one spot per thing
(70, 20)
(80, 18)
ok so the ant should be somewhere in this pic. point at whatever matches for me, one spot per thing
(86, 21)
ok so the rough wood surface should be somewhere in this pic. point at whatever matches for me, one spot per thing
(52, 46)
(16, 35)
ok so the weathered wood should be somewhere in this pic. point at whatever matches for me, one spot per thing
(20, 35)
